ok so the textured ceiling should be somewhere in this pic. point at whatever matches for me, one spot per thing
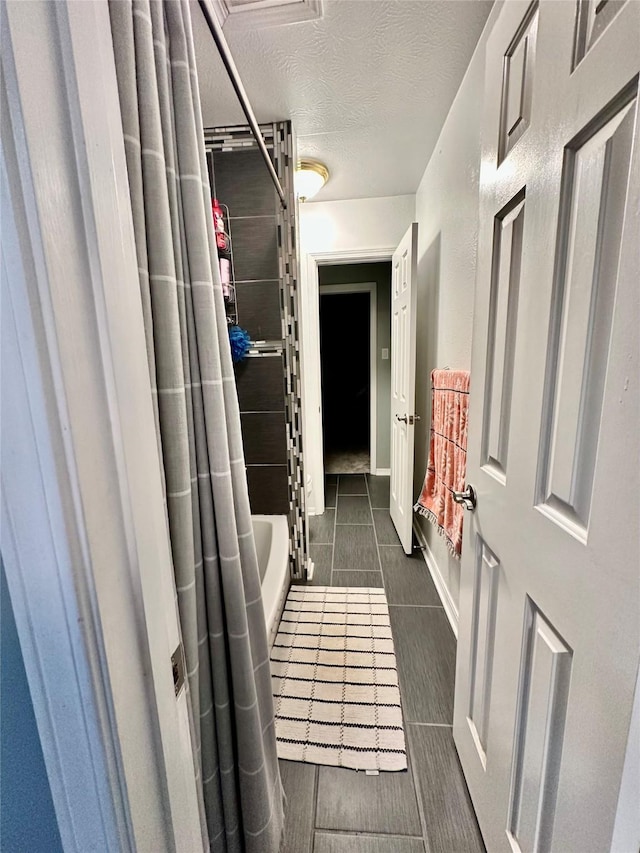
(368, 86)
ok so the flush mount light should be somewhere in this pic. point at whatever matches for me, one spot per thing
(311, 176)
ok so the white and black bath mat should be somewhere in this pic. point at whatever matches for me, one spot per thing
(335, 680)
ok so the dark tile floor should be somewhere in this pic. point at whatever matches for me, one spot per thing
(426, 809)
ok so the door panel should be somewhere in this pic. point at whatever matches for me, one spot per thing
(595, 176)
(403, 372)
(545, 672)
(593, 17)
(517, 85)
(505, 284)
(485, 590)
(550, 593)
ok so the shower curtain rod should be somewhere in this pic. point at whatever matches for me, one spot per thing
(225, 54)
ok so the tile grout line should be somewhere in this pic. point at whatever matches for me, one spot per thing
(367, 834)
(316, 786)
(335, 524)
(376, 572)
(410, 762)
(418, 793)
(375, 536)
(416, 785)
(416, 790)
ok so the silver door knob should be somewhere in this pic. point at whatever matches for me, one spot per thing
(466, 498)
(408, 419)
(402, 419)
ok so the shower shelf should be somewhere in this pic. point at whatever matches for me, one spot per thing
(264, 349)
(230, 297)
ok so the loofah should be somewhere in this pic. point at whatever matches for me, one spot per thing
(240, 343)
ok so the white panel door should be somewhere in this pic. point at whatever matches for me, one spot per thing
(549, 600)
(403, 383)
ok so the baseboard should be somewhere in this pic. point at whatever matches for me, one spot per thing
(441, 587)
(383, 472)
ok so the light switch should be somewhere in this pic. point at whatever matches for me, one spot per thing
(385, 354)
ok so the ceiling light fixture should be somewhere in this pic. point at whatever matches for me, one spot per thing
(310, 177)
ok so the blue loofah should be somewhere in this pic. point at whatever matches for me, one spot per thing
(240, 343)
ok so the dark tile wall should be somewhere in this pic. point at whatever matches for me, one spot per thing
(241, 181)
(264, 438)
(268, 489)
(255, 247)
(260, 383)
(259, 307)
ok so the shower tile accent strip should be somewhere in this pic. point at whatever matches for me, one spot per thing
(255, 301)
(285, 163)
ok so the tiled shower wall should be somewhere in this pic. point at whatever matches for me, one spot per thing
(241, 181)
(265, 267)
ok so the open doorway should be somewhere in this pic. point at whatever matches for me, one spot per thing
(348, 272)
(354, 368)
(347, 357)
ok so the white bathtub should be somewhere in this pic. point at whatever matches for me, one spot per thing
(272, 544)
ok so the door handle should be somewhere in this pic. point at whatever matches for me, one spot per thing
(467, 498)
(408, 419)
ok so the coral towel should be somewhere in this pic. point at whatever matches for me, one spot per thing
(447, 465)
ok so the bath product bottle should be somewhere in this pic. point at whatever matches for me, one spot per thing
(225, 276)
(222, 241)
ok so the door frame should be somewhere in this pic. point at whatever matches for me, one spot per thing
(371, 288)
(310, 361)
(84, 537)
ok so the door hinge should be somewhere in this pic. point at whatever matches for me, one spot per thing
(177, 665)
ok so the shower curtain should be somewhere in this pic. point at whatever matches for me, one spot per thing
(215, 565)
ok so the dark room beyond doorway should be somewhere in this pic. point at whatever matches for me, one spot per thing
(345, 348)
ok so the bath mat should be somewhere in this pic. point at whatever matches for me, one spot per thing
(335, 680)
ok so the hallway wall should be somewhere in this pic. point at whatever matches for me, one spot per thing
(447, 215)
(446, 209)
(27, 818)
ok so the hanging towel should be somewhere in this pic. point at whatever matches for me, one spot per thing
(446, 469)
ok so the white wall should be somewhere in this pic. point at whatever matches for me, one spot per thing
(354, 230)
(446, 209)
(447, 215)
(27, 818)
(354, 224)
